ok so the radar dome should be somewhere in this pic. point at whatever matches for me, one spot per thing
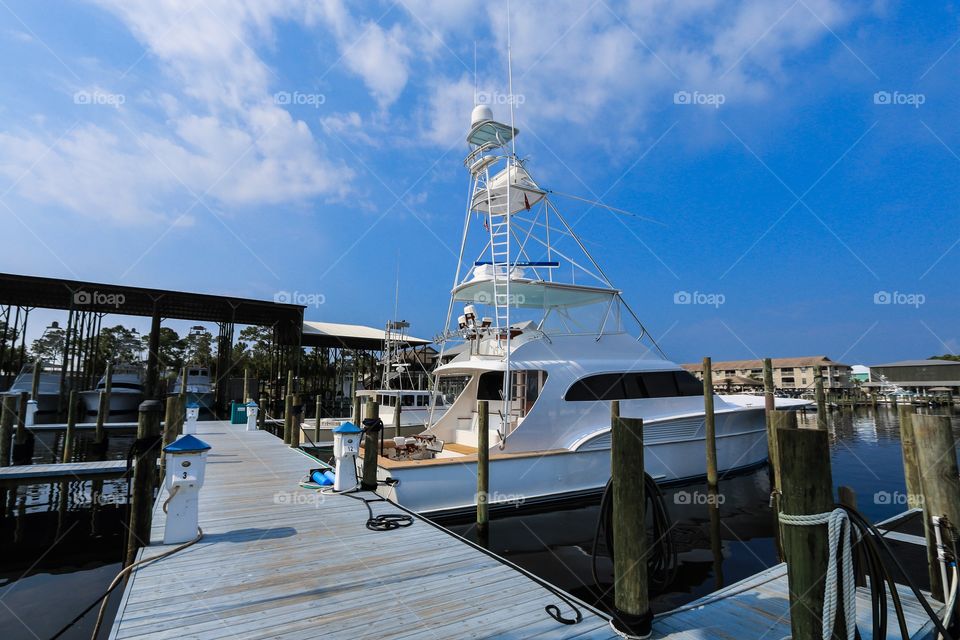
(480, 113)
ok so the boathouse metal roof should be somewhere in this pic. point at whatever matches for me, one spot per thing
(916, 363)
(350, 336)
(58, 293)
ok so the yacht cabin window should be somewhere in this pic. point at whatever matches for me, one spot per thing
(634, 386)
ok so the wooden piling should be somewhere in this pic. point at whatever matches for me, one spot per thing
(35, 381)
(709, 423)
(144, 477)
(171, 419)
(779, 420)
(821, 398)
(22, 435)
(9, 413)
(483, 465)
(70, 433)
(847, 497)
(396, 418)
(103, 407)
(262, 414)
(183, 382)
(911, 472)
(369, 481)
(287, 417)
(769, 402)
(246, 385)
(297, 422)
(939, 480)
(631, 601)
(807, 490)
(357, 415)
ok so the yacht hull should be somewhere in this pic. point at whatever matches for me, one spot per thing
(120, 401)
(528, 478)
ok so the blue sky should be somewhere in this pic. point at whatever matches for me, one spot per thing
(803, 156)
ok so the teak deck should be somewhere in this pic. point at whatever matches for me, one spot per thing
(277, 561)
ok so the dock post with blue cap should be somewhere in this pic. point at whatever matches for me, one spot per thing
(186, 461)
(193, 413)
(252, 411)
(346, 448)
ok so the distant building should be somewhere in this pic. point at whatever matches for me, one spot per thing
(920, 376)
(860, 373)
(794, 374)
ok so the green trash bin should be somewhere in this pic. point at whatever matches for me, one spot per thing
(238, 413)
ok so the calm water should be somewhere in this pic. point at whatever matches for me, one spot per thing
(557, 545)
(61, 543)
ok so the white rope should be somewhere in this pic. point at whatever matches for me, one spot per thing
(838, 524)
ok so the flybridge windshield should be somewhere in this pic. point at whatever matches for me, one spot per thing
(545, 307)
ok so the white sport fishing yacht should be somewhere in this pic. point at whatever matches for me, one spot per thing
(548, 356)
(126, 391)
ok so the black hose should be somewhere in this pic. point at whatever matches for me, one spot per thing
(662, 550)
(870, 544)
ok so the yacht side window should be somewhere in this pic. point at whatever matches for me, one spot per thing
(634, 386)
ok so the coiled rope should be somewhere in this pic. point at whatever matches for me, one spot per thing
(839, 531)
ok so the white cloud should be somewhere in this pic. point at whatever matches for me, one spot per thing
(219, 132)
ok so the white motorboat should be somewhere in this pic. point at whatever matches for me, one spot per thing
(48, 391)
(199, 387)
(126, 391)
(548, 356)
(415, 408)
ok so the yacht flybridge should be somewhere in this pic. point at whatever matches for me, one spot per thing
(539, 332)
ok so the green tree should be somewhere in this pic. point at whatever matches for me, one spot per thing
(49, 346)
(119, 344)
(198, 347)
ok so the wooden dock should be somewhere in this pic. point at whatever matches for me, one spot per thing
(22, 473)
(277, 561)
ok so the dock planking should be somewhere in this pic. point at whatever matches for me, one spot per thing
(278, 561)
(84, 470)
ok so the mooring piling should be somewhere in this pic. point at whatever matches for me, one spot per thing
(70, 433)
(288, 418)
(144, 477)
(357, 409)
(911, 472)
(939, 480)
(170, 420)
(297, 422)
(631, 599)
(483, 466)
(807, 490)
(371, 413)
(396, 417)
(9, 412)
(262, 415)
(821, 398)
(709, 423)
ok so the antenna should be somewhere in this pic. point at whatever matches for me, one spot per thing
(513, 141)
